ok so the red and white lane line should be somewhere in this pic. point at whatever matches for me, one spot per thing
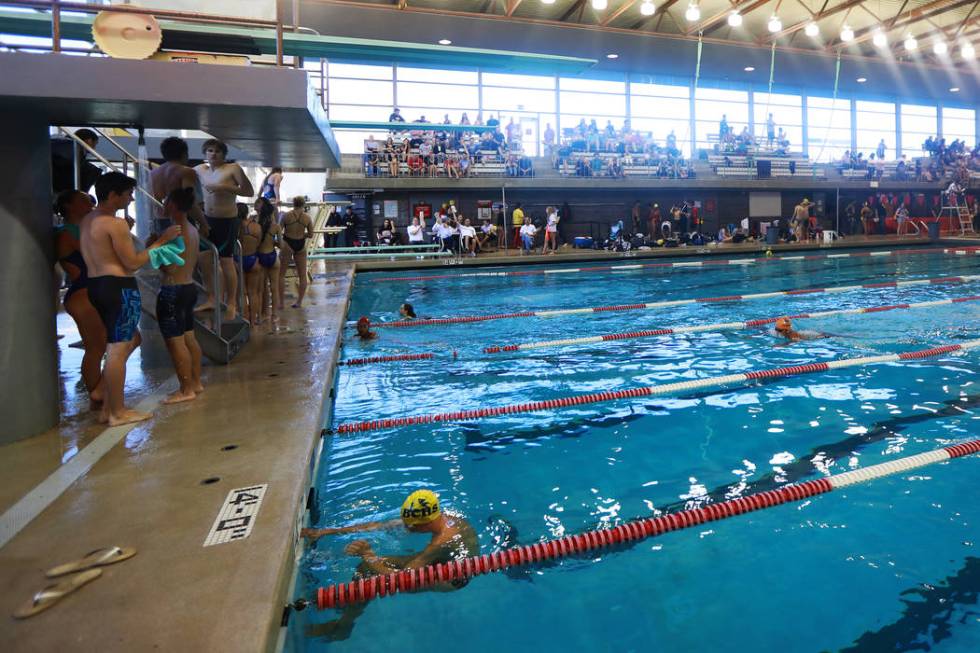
(678, 264)
(386, 359)
(649, 390)
(962, 251)
(410, 580)
(565, 342)
(675, 302)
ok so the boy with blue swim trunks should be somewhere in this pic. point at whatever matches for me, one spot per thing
(175, 303)
(111, 259)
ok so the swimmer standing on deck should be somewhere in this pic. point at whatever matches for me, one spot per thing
(452, 539)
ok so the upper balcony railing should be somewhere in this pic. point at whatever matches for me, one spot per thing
(55, 7)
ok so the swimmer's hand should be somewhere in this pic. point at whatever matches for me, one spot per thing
(172, 232)
(360, 548)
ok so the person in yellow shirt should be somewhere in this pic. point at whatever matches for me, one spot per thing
(517, 222)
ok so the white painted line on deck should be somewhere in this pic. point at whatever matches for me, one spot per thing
(34, 502)
(236, 518)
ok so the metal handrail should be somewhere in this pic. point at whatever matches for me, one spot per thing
(217, 312)
(57, 6)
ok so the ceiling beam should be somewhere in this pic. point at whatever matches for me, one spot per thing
(917, 15)
(721, 15)
(571, 10)
(661, 12)
(512, 6)
(825, 13)
(623, 8)
(742, 10)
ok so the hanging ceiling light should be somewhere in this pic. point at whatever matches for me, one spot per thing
(846, 34)
(967, 51)
(811, 29)
(940, 47)
(693, 13)
(648, 8)
(547, 2)
(775, 24)
(910, 43)
(734, 19)
(879, 39)
(600, 5)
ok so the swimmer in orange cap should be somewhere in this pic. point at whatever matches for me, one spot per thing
(364, 331)
(452, 539)
(785, 329)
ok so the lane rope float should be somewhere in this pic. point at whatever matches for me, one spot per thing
(386, 359)
(410, 580)
(675, 302)
(748, 324)
(649, 390)
(678, 264)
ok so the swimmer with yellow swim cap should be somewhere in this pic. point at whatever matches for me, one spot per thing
(422, 512)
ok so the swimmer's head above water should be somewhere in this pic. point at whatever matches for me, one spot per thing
(783, 325)
(364, 329)
(407, 311)
(420, 510)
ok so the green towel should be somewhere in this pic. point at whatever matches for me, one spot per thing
(168, 254)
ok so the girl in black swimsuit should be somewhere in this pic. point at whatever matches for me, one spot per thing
(297, 226)
(72, 206)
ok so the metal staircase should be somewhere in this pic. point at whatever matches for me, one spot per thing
(220, 339)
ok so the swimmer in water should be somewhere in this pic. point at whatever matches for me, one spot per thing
(407, 311)
(784, 328)
(364, 331)
(452, 539)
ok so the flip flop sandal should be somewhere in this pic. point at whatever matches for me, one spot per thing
(98, 558)
(51, 594)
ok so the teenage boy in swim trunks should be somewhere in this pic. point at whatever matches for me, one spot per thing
(174, 174)
(175, 303)
(452, 539)
(111, 259)
(222, 183)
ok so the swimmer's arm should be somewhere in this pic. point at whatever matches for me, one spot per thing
(315, 533)
(122, 245)
(434, 552)
(244, 185)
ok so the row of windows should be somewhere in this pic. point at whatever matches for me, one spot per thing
(367, 92)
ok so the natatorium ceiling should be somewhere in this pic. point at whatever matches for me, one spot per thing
(952, 22)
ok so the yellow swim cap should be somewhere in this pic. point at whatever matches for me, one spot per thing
(421, 507)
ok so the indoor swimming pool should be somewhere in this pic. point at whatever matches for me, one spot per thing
(892, 564)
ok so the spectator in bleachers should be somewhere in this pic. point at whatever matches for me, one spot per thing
(396, 116)
(549, 140)
(614, 169)
(770, 131)
(416, 231)
(464, 119)
(881, 149)
(723, 128)
(511, 166)
(595, 166)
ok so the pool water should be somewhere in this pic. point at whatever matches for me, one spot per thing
(890, 565)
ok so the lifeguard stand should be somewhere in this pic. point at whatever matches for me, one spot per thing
(954, 205)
